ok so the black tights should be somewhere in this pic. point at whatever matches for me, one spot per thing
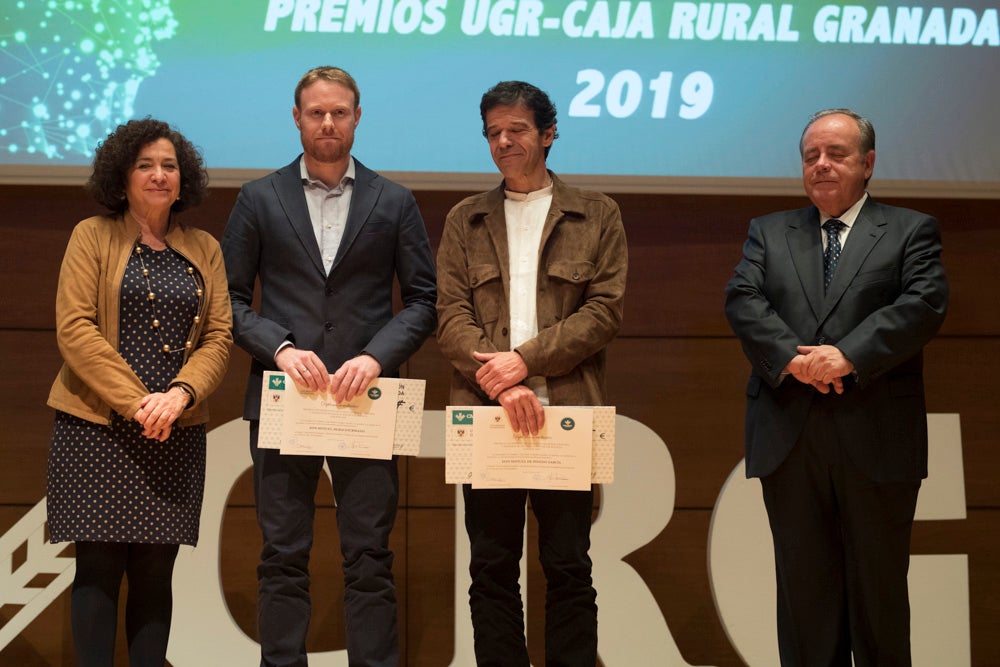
(100, 567)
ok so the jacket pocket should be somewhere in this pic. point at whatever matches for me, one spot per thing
(875, 276)
(579, 272)
(487, 291)
(377, 226)
(567, 282)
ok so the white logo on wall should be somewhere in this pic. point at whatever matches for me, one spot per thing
(634, 510)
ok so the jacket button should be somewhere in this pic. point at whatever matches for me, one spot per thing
(329, 291)
(328, 326)
(504, 331)
(576, 276)
(475, 281)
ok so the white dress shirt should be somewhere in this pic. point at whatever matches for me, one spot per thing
(328, 209)
(525, 214)
(849, 217)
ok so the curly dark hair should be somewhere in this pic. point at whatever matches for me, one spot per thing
(116, 155)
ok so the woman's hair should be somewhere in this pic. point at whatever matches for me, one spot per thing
(117, 154)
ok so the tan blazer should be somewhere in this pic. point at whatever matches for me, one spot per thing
(94, 378)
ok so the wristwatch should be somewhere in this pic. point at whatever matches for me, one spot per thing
(186, 392)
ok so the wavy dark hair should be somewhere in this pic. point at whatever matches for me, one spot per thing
(116, 155)
(515, 93)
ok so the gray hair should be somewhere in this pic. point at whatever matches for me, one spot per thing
(864, 127)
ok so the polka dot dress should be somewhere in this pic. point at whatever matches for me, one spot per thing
(109, 483)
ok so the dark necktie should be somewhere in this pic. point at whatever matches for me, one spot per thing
(832, 254)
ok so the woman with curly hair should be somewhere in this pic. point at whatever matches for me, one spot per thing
(143, 324)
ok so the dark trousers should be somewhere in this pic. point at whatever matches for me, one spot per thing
(367, 494)
(842, 552)
(494, 519)
(100, 567)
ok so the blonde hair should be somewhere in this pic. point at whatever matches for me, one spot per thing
(331, 74)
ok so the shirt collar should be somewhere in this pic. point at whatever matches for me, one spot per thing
(849, 216)
(308, 180)
(529, 196)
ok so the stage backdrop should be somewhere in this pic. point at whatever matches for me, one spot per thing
(676, 374)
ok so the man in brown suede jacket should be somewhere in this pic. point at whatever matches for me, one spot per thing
(531, 280)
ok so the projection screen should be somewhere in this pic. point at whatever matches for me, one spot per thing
(652, 96)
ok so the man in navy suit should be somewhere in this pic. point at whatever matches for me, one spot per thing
(327, 237)
(833, 305)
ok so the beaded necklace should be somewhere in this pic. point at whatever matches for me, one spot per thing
(151, 296)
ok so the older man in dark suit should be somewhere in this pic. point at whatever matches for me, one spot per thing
(833, 305)
(327, 237)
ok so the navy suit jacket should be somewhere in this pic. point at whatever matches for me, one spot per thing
(341, 315)
(888, 298)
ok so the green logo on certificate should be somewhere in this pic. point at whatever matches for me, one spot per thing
(374, 393)
(461, 417)
(567, 424)
(277, 382)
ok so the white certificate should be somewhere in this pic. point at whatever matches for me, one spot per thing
(299, 421)
(459, 434)
(558, 458)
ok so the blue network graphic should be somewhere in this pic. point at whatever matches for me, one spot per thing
(70, 71)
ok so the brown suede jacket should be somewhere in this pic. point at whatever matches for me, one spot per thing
(94, 378)
(582, 266)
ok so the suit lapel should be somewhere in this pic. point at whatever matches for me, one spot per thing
(367, 188)
(806, 249)
(865, 233)
(288, 189)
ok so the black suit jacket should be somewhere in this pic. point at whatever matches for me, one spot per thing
(338, 316)
(888, 298)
